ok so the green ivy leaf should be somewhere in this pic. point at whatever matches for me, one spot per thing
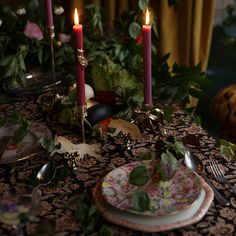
(227, 150)
(92, 211)
(82, 212)
(19, 134)
(106, 231)
(7, 59)
(179, 147)
(47, 144)
(141, 201)
(143, 4)
(169, 164)
(134, 30)
(168, 111)
(168, 157)
(163, 175)
(139, 176)
(227, 143)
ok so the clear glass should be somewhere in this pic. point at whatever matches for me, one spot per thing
(17, 203)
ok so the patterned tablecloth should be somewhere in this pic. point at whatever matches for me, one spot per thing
(59, 217)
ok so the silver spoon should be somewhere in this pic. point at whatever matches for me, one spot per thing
(195, 164)
(46, 174)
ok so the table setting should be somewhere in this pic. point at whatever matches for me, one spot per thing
(102, 159)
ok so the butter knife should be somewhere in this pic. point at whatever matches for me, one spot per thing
(3, 144)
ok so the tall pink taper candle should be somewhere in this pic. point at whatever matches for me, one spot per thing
(49, 12)
(80, 81)
(147, 59)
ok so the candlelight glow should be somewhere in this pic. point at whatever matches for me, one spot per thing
(76, 17)
(147, 19)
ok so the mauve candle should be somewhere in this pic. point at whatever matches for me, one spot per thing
(147, 59)
(49, 12)
(80, 81)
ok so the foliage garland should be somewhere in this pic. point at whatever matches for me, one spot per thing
(109, 48)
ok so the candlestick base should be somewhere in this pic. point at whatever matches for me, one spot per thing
(51, 35)
(81, 114)
(45, 101)
(51, 32)
(147, 117)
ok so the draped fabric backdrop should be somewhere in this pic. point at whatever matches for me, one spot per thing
(185, 32)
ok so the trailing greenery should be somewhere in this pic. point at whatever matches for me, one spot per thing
(87, 216)
(19, 52)
(114, 52)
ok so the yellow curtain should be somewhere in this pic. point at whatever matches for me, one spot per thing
(186, 32)
(113, 8)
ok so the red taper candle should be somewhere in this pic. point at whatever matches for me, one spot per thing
(80, 81)
(147, 59)
(49, 12)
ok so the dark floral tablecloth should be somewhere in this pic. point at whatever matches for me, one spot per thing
(58, 217)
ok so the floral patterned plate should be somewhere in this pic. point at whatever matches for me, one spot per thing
(188, 216)
(28, 147)
(166, 198)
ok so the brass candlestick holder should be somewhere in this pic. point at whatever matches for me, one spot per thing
(82, 113)
(80, 58)
(51, 34)
(147, 117)
(82, 110)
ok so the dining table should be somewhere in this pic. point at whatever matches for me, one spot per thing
(67, 204)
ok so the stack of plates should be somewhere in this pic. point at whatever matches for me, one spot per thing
(180, 202)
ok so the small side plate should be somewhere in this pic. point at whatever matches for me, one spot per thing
(28, 147)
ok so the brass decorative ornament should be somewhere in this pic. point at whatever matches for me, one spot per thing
(80, 57)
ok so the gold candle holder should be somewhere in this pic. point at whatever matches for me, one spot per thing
(51, 35)
(81, 58)
(82, 113)
(147, 115)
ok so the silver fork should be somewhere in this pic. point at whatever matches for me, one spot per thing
(219, 174)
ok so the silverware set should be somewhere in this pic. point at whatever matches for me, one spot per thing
(195, 164)
(219, 174)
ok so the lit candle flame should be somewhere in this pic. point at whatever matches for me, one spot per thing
(76, 17)
(147, 19)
